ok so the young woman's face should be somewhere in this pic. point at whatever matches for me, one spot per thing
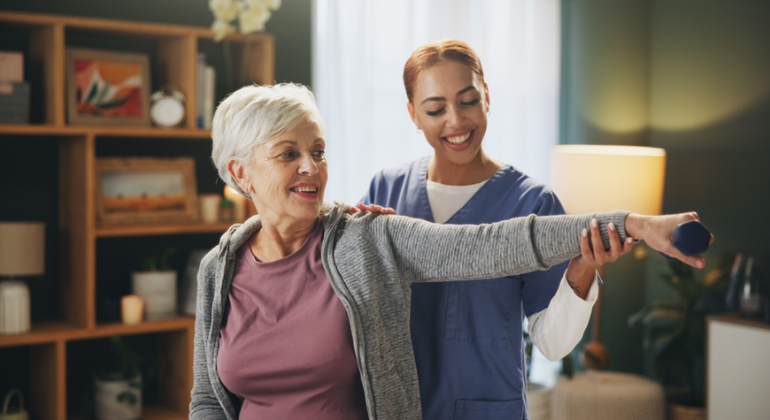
(449, 105)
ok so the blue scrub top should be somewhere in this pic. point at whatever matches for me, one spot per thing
(467, 335)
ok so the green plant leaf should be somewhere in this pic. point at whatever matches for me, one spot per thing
(128, 397)
(664, 315)
(157, 261)
(657, 340)
(675, 330)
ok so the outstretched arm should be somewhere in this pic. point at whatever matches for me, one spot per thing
(431, 252)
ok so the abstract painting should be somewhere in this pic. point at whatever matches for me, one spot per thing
(107, 87)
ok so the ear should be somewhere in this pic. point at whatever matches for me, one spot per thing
(239, 174)
(486, 95)
(410, 108)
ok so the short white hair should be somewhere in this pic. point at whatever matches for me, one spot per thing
(253, 115)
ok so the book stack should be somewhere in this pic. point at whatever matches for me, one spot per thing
(205, 92)
(14, 91)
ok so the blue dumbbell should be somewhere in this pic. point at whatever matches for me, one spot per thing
(690, 238)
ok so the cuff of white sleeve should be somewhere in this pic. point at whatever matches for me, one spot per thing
(557, 329)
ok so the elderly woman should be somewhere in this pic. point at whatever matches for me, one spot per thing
(303, 311)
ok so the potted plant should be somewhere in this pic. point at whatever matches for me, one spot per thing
(155, 282)
(675, 333)
(118, 383)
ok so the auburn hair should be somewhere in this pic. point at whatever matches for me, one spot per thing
(428, 55)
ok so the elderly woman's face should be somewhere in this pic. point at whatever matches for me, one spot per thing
(289, 174)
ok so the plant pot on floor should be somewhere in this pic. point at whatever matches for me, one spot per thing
(117, 398)
(158, 291)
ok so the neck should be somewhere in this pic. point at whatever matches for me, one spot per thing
(273, 241)
(443, 171)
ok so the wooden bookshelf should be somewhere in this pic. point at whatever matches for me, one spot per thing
(173, 53)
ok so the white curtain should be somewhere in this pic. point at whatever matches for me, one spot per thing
(359, 51)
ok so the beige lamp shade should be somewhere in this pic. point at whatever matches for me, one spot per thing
(596, 178)
(22, 248)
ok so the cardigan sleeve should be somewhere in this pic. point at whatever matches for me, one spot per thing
(432, 252)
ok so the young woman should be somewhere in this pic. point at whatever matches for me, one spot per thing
(467, 336)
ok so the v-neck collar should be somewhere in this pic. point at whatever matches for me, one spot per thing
(471, 207)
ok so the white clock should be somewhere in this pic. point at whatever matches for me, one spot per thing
(167, 107)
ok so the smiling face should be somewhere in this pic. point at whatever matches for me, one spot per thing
(449, 105)
(287, 175)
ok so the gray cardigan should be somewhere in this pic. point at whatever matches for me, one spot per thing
(371, 261)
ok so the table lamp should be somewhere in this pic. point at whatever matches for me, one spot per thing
(599, 178)
(22, 253)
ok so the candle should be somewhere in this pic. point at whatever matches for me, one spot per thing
(131, 309)
(239, 203)
(210, 207)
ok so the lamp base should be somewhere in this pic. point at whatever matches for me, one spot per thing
(14, 307)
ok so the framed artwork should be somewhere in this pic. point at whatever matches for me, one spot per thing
(145, 190)
(107, 88)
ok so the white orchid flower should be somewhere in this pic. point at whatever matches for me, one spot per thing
(252, 15)
(226, 10)
(253, 20)
(222, 29)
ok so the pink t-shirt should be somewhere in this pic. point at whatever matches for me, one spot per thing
(285, 346)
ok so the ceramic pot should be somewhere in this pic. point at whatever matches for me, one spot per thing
(158, 291)
(116, 398)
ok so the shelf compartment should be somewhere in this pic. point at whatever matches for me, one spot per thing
(246, 46)
(165, 392)
(42, 45)
(38, 372)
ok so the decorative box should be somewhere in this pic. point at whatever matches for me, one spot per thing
(14, 102)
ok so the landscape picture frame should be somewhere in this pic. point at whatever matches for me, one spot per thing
(140, 190)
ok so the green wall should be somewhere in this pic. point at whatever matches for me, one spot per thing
(290, 24)
(690, 76)
(710, 109)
